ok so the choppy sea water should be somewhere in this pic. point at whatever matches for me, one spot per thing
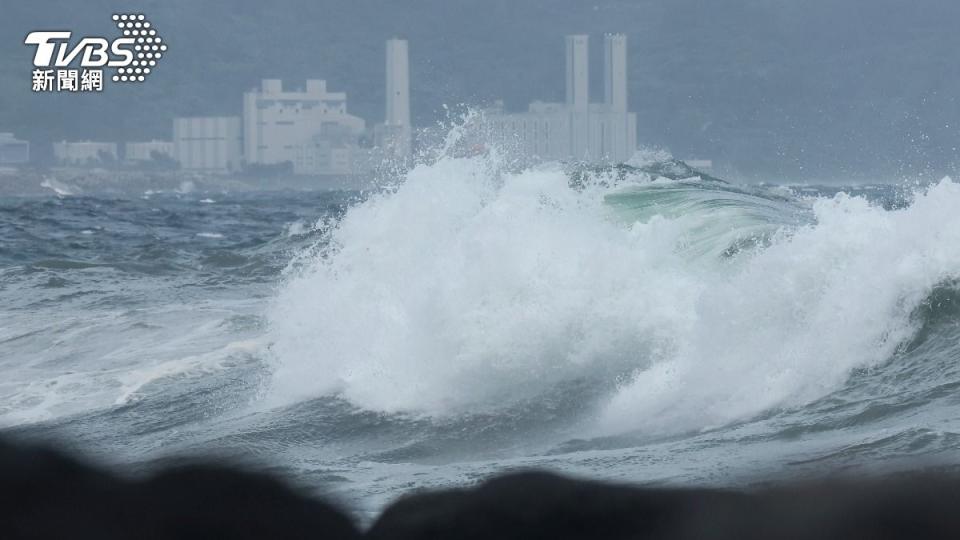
(472, 321)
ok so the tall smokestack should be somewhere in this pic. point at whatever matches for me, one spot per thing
(577, 72)
(615, 71)
(398, 93)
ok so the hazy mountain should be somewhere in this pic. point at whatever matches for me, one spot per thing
(774, 89)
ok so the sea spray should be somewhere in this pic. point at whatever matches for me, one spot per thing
(789, 324)
(468, 288)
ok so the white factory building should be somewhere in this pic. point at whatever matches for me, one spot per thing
(309, 128)
(84, 152)
(575, 129)
(145, 151)
(13, 151)
(208, 143)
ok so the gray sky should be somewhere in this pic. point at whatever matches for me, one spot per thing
(770, 89)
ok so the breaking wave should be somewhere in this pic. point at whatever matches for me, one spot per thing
(681, 303)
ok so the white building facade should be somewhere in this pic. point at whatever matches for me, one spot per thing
(309, 129)
(13, 151)
(81, 153)
(146, 151)
(576, 129)
(208, 143)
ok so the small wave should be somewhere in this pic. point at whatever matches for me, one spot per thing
(297, 228)
(59, 188)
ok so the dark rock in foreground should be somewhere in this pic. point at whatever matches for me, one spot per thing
(45, 494)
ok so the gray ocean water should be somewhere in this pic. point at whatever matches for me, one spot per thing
(472, 321)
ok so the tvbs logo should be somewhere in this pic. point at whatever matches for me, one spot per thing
(65, 67)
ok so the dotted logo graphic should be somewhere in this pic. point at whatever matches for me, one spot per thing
(148, 50)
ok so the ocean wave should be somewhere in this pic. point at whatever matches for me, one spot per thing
(689, 303)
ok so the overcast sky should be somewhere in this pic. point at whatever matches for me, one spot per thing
(770, 89)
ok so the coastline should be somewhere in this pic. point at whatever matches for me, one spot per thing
(63, 181)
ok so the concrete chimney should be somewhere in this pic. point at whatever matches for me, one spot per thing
(398, 92)
(615, 71)
(398, 83)
(577, 72)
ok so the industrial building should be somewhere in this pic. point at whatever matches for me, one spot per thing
(394, 136)
(13, 151)
(81, 153)
(576, 129)
(208, 143)
(310, 129)
(147, 151)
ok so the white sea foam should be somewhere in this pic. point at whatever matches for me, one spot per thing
(790, 324)
(470, 288)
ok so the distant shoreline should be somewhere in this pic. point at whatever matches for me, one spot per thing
(78, 182)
